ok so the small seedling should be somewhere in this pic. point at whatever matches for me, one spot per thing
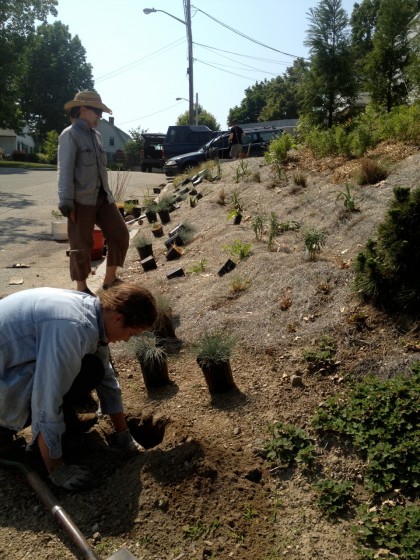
(239, 284)
(287, 445)
(349, 203)
(314, 239)
(238, 249)
(200, 267)
(242, 171)
(321, 359)
(258, 226)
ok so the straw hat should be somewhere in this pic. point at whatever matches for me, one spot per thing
(87, 99)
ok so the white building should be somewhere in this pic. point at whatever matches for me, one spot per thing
(11, 142)
(113, 138)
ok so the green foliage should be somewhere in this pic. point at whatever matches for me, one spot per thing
(215, 346)
(50, 147)
(165, 202)
(54, 69)
(330, 84)
(381, 417)
(321, 359)
(141, 240)
(349, 203)
(200, 267)
(288, 444)
(276, 227)
(257, 223)
(279, 148)
(333, 496)
(391, 528)
(238, 249)
(387, 269)
(242, 171)
(148, 349)
(314, 240)
(204, 118)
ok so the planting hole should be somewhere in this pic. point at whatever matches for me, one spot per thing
(147, 431)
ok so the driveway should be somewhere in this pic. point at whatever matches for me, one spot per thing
(27, 198)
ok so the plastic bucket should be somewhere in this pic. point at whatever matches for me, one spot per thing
(98, 245)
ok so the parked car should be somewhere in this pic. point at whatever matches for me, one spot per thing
(151, 155)
(255, 142)
(181, 139)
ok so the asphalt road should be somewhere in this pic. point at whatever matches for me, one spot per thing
(27, 198)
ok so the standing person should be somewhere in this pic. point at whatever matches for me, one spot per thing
(53, 353)
(235, 140)
(84, 196)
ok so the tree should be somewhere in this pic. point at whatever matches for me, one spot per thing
(55, 68)
(282, 93)
(363, 26)
(251, 106)
(204, 118)
(329, 85)
(17, 22)
(385, 68)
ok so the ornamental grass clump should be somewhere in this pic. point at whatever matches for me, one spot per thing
(215, 346)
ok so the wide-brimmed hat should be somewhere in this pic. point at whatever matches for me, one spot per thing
(87, 99)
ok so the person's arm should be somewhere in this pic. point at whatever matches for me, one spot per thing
(66, 159)
(50, 463)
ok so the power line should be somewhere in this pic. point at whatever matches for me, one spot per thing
(131, 65)
(246, 65)
(243, 34)
(150, 115)
(242, 54)
(221, 69)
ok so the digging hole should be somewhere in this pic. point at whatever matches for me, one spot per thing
(148, 432)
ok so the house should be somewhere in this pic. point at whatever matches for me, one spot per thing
(113, 138)
(11, 142)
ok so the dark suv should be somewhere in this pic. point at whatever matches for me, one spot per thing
(151, 154)
(254, 143)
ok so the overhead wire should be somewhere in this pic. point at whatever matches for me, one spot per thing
(271, 61)
(150, 114)
(243, 34)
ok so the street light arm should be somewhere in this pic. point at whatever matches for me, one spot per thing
(148, 11)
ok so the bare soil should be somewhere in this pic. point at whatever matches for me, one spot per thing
(201, 489)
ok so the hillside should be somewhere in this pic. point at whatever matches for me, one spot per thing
(201, 489)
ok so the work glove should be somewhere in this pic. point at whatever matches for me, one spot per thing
(66, 210)
(125, 441)
(73, 477)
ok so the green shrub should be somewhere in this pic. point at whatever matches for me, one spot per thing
(321, 359)
(238, 249)
(314, 240)
(278, 149)
(388, 531)
(387, 269)
(333, 496)
(288, 444)
(381, 418)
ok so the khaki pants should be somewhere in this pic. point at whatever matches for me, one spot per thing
(109, 219)
(235, 151)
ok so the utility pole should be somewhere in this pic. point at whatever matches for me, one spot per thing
(190, 62)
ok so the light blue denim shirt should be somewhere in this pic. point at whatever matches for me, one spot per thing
(81, 165)
(44, 334)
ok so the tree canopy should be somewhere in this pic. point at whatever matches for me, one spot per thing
(204, 118)
(17, 22)
(54, 69)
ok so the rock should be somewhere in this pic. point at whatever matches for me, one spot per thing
(254, 475)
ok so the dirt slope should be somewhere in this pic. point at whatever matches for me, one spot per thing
(201, 490)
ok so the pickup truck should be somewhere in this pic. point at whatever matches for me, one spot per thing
(151, 154)
(185, 138)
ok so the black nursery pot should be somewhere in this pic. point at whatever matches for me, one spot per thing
(151, 216)
(136, 211)
(145, 251)
(218, 375)
(176, 273)
(164, 216)
(173, 253)
(155, 374)
(174, 240)
(227, 267)
(148, 263)
(237, 220)
(158, 232)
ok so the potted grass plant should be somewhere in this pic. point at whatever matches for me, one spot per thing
(153, 360)
(150, 208)
(144, 246)
(163, 205)
(213, 351)
(157, 229)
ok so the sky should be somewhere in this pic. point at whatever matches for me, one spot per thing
(140, 61)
